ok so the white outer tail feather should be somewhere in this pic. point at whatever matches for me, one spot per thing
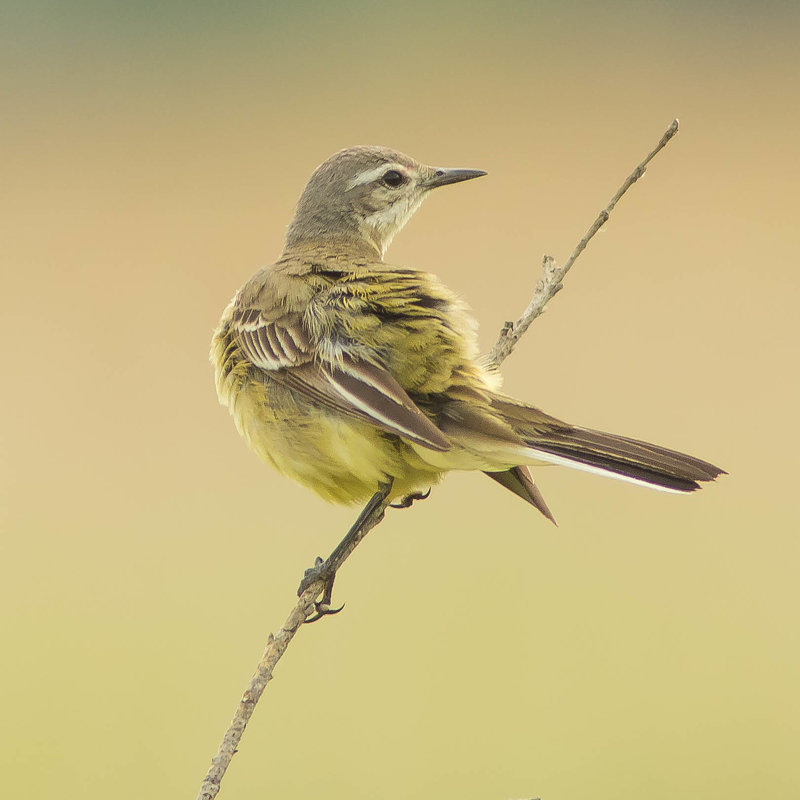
(562, 461)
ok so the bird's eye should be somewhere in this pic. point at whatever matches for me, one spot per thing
(393, 178)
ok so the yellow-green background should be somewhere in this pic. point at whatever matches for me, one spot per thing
(647, 648)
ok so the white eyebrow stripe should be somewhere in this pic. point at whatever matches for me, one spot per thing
(369, 175)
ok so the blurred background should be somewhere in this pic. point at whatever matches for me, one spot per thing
(647, 647)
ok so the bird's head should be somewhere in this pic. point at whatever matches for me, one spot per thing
(364, 196)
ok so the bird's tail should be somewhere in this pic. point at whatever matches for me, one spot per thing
(553, 441)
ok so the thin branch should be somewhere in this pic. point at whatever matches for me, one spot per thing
(546, 288)
(552, 275)
(276, 646)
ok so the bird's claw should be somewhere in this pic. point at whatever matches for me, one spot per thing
(322, 610)
(408, 500)
(324, 572)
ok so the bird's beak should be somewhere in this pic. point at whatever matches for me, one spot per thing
(441, 177)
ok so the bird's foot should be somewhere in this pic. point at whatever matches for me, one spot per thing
(408, 500)
(325, 571)
(320, 571)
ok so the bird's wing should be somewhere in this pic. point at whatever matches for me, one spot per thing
(283, 348)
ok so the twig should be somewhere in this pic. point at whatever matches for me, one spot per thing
(552, 275)
(276, 646)
(546, 288)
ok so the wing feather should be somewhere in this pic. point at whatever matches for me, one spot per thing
(377, 394)
(274, 345)
(283, 349)
(287, 343)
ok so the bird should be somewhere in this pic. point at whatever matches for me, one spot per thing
(362, 379)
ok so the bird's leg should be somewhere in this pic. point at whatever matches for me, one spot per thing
(370, 515)
(408, 500)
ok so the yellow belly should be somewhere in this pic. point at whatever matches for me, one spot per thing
(343, 459)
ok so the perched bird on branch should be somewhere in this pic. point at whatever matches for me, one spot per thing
(354, 376)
